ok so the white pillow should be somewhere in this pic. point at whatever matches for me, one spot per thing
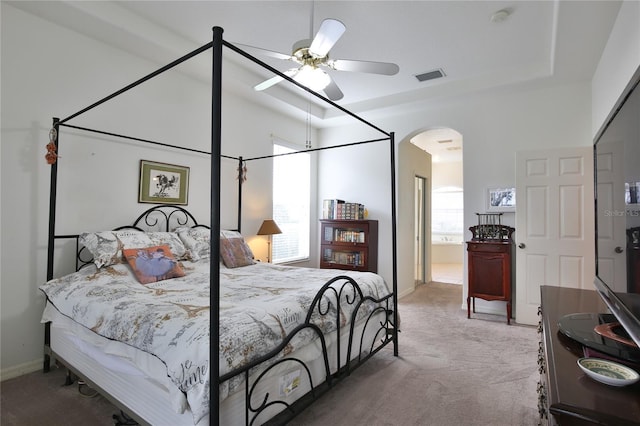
(172, 240)
(106, 246)
(197, 242)
(103, 246)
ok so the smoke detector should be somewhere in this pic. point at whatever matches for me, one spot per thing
(501, 15)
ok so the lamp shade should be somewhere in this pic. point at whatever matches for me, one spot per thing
(269, 227)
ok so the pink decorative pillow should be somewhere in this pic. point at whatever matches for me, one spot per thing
(152, 264)
(234, 250)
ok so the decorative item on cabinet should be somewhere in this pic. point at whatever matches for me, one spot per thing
(490, 262)
(349, 245)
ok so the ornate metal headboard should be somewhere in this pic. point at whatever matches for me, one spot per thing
(163, 218)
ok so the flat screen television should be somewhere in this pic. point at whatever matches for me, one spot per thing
(617, 200)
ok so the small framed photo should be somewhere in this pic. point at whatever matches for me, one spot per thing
(162, 183)
(501, 199)
(632, 193)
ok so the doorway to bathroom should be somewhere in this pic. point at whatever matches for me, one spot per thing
(446, 208)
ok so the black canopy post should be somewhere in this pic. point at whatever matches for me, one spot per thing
(51, 239)
(240, 182)
(52, 199)
(394, 246)
(214, 278)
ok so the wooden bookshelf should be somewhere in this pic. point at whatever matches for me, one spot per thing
(349, 245)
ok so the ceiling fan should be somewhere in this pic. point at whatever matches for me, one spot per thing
(313, 55)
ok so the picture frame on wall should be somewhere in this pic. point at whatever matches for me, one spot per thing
(501, 199)
(632, 193)
(162, 183)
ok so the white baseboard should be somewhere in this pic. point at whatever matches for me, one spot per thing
(487, 308)
(406, 292)
(21, 369)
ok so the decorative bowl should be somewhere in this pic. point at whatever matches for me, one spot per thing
(608, 372)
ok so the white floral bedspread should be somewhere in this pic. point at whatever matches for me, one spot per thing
(259, 304)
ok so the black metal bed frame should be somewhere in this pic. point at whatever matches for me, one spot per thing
(342, 287)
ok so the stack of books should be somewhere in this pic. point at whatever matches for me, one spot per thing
(341, 210)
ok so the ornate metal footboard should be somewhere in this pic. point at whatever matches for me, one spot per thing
(342, 291)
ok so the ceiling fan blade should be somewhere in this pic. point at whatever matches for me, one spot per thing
(274, 80)
(268, 83)
(255, 51)
(333, 92)
(385, 68)
(329, 33)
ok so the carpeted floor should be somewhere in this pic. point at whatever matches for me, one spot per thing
(451, 371)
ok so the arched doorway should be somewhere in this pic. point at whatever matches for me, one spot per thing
(446, 207)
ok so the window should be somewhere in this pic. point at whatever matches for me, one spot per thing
(291, 204)
(447, 215)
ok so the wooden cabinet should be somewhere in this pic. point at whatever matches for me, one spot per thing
(489, 266)
(349, 244)
(566, 396)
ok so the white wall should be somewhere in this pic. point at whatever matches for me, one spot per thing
(619, 61)
(360, 174)
(412, 162)
(50, 71)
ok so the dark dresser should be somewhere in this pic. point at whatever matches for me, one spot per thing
(566, 396)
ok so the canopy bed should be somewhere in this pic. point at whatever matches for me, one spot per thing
(285, 335)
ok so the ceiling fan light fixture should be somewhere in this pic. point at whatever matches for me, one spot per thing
(312, 77)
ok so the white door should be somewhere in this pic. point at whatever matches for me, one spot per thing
(611, 215)
(555, 242)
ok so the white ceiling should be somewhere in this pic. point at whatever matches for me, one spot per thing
(444, 145)
(541, 41)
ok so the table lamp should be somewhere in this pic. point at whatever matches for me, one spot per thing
(269, 227)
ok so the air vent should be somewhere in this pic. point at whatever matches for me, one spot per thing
(430, 75)
(445, 141)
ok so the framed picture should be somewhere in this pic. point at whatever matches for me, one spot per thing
(162, 183)
(501, 199)
(632, 193)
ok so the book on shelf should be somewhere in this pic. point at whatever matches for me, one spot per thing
(344, 258)
(348, 236)
(341, 210)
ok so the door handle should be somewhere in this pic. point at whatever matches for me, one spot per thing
(521, 245)
(618, 249)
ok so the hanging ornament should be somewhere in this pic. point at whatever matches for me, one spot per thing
(242, 173)
(51, 156)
